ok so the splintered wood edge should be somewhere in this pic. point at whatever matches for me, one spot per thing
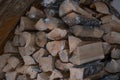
(10, 18)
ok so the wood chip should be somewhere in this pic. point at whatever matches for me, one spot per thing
(102, 7)
(76, 74)
(55, 46)
(41, 39)
(28, 60)
(13, 61)
(11, 75)
(112, 37)
(46, 63)
(56, 75)
(115, 53)
(56, 34)
(86, 32)
(81, 54)
(64, 55)
(73, 43)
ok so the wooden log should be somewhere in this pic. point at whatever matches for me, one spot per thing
(115, 53)
(64, 55)
(10, 16)
(11, 75)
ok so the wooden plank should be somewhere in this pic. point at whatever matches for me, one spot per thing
(10, 13)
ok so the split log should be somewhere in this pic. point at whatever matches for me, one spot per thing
(13, 61)
(26, 24)
(39, 54)
(102, 7)
(64, 55)
(56, 75)
(9, 48)
(81, 54)
(112, 37)
(76, 74)
(41, 39)
(63, 66)
(11, 75)
(56, 34)
(81, 31)
(46, 63)
(115, 53)
(7, 68)
(22, 77)
(55, 46)
(106, 48)
(15, 41)
(35, 13)
(73, 43)
(22, 69)
(42, 76)
(28, 60)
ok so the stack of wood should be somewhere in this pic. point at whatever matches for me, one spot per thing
(81, 44)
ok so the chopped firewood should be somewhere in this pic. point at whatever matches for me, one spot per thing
(22, 69)
(26, 24)
(46, 63)
(63, 66)
(39, 54)
(3, 60)
(102, 7)
(68, 6)
(115, 53)
(9, 48)
(73, 43)
(81, 54)
(106, 19)
(112, 37)
(56, 34)
(22, 77)
(26, 51)
(35, 13)
(56, 75)
(106, 27)
(42, 76)
(32, 72)
(15, 41)
(41, 39)
(17, 30)
(11, 75)
(63, 55)
(47, 3)
(81, 31)
(55, 46)
(13, 61)
(28, 60)
(106, 48)
(7, 68)
(76, 73)
(40, 25)
(112, 66)
(73, 19)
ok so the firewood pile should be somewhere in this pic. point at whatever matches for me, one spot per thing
(65, 40)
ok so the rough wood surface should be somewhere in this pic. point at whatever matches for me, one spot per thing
(10, 13)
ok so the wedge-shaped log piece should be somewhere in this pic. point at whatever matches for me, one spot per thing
(3, 60)
(55, 46)
(22, 69)
(87, 53)
(13, 61)
(39, 54)
(73, 43)
(115, 53)
(56, 34)
(28, 60)
(69, 5)
(64, 55)
(76, 73)
(41, 39)
(42, 76)
(35, 13)
(63, 66)
(26, 24)
(9, 48)
(113, 66)
(46, 63)
(81, 31)
(102, 7)
(15, 41)
(11, 75)
(112, 37)
(22, 77)
(7, 68)
(56, 75)
(106, 48)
